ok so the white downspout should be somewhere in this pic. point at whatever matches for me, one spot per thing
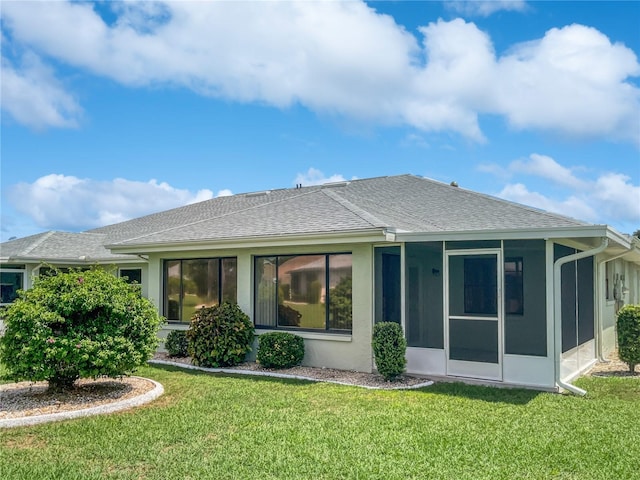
(600, 307)
(557, 311)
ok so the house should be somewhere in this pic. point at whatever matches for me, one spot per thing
(486, 290)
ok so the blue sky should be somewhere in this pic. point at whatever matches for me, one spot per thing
(112, 110)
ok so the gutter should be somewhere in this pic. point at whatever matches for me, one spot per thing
(557, 311)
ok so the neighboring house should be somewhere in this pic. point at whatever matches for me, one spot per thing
(485, 289)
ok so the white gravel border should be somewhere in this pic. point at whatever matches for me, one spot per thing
(258, 373)
(85, 412)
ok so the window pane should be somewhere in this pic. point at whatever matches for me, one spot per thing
(229, 280)
(199, 285)
(513, 295)
(340, 310)
(301, 291)
(10, 283)
(480, 286)
(133, 275)
(265, 291)
(172, 289)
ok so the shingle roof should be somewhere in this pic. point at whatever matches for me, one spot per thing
(59, 246)
(405, 203)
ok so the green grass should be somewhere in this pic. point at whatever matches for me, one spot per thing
(234, 427)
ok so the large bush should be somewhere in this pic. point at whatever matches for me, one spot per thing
(78, 325)
(389, 349)
(628, 326)
(176, 343)
(219, 336)
(280, 350)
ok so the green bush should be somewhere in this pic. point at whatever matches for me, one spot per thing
(177, 343)
(389, 349)
(280, 350)
(219, 336)
(628, 326)
(78, 325)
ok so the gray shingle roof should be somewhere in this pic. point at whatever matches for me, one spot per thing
(406, 203)
(60, 246)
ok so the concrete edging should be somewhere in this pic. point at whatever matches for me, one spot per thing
(283, 375)
(85, 412)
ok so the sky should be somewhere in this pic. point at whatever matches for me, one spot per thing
(113, 110)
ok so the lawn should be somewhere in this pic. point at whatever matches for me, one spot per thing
(216, 426)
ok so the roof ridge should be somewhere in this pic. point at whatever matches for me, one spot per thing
(37, 243)
(208, 219)
(360, 212)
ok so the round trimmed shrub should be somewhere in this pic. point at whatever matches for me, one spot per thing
(219, 336)
(389, 349)
(176, 343)
(78, 325)
(280, 350)
(628, 327)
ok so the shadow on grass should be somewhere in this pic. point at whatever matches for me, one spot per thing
(515, 396)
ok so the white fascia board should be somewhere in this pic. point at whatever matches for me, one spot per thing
(362, 236)
(588, 231)
(73, 260)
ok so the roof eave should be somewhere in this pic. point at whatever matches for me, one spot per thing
(579, 231)
(357, 236)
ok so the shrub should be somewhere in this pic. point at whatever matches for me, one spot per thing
(219, 336)
(177, 343)
(389, 348)
(78, 325)
(628, 326)
(280, 350)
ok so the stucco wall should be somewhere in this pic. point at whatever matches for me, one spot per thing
(352, 352)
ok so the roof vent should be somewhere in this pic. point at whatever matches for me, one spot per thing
(454, 184)
(258, 194)
(335, 184)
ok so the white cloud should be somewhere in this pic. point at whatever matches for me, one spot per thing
(33, 97)
(571, 206)
(345, 59)
(224, 193)
(486, 8)
(609, 198)
(62, 202)
(546, 167)
(314, 176)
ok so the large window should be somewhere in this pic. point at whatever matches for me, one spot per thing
(303, 291)
(195, 283)
(11, 280)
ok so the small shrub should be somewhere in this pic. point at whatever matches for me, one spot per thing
(280, 350)
(628, 326)
(78, 325)
(219, 336)
(389, 349)
(177, 343)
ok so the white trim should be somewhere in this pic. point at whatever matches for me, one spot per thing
(335, 337)
(480, 370)
(361, 236)
(586, 231)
